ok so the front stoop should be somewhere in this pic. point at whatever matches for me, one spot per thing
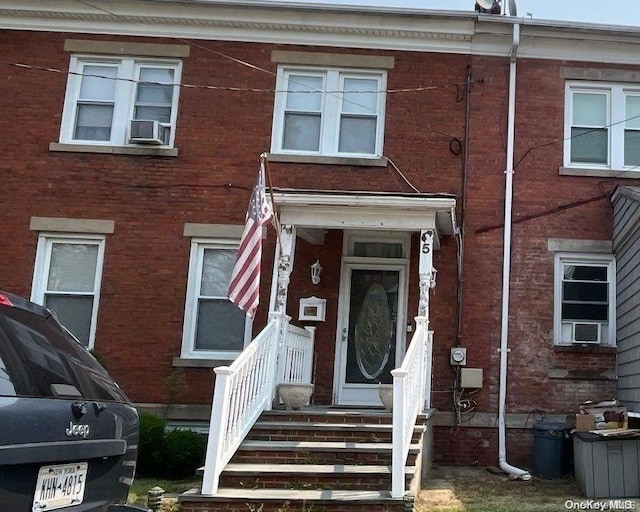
(317, 460)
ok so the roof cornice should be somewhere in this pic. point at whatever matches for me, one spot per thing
(462, 32)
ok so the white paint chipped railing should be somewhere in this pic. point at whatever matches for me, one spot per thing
(295, 361)
(242, 392)
(247, 388)
(411, 394)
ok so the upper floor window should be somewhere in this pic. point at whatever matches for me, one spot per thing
(214, 327)
(584, 299)
(120, 101)
(602, 126)
(66, 279)
(330, 112)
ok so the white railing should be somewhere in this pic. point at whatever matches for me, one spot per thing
(411, 393)
(242, 392)
(247, 388)
(295, 361)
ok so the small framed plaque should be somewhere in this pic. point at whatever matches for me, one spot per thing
(312, 308)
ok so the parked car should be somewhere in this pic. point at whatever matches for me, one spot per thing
(68, 434)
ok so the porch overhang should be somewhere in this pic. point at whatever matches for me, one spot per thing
(313, 210)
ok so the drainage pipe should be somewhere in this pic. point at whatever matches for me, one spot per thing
(513, 471)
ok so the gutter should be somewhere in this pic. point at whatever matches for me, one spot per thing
(513, 471)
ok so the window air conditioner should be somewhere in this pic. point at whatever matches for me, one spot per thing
(145, 131)
(586, 332)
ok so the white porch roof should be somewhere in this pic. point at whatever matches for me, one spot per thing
(313, 211)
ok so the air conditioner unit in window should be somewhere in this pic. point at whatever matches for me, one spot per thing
(145, 131)
(586, 332)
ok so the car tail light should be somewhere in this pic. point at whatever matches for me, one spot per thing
(4, 300)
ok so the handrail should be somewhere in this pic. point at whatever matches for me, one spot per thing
(242, 392)
(408, 400)
(295, 361)
(246, 388)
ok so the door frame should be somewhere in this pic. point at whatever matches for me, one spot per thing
(367, 394)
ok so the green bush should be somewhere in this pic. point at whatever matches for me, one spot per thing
(173, 454)
(151, 446)
(185, 451)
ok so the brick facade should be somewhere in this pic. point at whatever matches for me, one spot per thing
(220, 134)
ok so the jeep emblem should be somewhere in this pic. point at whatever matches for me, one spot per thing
(77, 430)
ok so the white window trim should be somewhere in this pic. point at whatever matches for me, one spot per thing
(198, 245)
(43, 262)
(331, 110)
(616, 114)
(587, 259)
(125, 91)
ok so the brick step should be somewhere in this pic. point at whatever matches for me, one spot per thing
(291, 500)
(330, 415)
(310, 476)
(311, 452)
(324, 431)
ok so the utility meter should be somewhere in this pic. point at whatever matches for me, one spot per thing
(458, 356)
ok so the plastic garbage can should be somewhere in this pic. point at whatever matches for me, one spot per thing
(551, 449)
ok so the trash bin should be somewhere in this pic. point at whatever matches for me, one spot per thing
(551, 449)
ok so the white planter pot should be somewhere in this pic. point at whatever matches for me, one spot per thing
(295, 396)
(386, 396)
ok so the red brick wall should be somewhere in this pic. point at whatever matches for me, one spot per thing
(220, 135)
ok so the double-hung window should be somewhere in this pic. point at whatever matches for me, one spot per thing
(120, 101)
(329, 112)
(214, 327)
(67, 276)
(584, 299)
(602, 126)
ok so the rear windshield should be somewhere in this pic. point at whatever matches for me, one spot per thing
(38, 358)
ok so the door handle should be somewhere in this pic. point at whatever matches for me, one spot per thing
(344, 334)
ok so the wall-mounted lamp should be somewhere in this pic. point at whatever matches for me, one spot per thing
(315, 272)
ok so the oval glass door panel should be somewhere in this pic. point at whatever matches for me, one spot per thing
(373, 316)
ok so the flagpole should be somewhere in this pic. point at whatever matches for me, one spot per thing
(263, 157)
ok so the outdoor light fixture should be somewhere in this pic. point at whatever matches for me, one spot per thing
(315, 272)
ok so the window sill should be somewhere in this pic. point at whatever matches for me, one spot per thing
(328, 160)
(113, 150)
(599, 173)
(185, 362)
(563, 373)
(586, 349)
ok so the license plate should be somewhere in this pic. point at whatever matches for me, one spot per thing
(59, 486)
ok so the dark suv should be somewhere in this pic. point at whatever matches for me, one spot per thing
(68, 434)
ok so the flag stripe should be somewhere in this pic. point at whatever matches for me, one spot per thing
(244, 287)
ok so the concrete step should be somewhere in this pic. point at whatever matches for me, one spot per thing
(310, 476)
(292, 500)
(318, 452)
(325, 431)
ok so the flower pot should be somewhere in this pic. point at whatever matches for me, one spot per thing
(386, 395)
(294, 396)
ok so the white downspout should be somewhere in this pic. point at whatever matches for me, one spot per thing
(506, 268)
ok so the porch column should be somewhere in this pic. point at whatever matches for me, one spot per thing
(426, 271)
(427, 275)
(287, 242)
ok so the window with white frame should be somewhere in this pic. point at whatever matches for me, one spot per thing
(120, 101)
(330, 112)
(584, 299)
(602, 126)
(66, 279)
(214, 327)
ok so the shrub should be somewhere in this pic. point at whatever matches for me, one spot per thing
(151, 446)
(185, 451)
(175, 454)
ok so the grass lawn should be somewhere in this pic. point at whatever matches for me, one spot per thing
(475, 489)
(140, 487)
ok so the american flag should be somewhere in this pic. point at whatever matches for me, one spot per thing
(244, 288)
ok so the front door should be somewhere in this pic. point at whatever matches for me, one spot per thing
(371, 330)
